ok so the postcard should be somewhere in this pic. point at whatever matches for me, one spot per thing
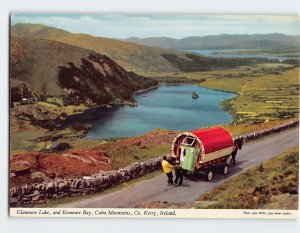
(154, 115)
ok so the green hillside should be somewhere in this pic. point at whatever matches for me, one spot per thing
(51, 68)
(131, 56)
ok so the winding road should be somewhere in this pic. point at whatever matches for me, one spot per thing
(156, 189)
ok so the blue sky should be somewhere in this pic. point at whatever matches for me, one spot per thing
(168, 25)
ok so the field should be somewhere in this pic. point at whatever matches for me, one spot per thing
(25, 140)
(58, 108)
(262, 97)
(238, 72)
(266, 91)
(271, 185)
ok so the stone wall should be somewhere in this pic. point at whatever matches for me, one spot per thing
(58, 188)
(27, 195)
(266, 132)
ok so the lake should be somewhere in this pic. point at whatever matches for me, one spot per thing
(168, 107)
(212, 53)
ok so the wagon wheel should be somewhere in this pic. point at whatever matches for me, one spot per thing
(225, 169)
(210, 175)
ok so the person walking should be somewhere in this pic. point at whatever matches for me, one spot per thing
(178, 174)
(167, 168)
(233, 153)
(238, 143)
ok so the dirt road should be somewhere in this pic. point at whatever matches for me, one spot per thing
(156, 189)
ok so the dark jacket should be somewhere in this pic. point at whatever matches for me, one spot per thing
(235, 149)
(178, 170)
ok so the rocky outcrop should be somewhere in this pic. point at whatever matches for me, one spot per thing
(80, 127)
(100, 80)
(75, 74)
(34, 113)
(23, 93)
(59, 147)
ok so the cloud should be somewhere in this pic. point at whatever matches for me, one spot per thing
(170, 25)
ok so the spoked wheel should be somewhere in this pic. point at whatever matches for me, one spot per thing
(210, 175)
(225, 170)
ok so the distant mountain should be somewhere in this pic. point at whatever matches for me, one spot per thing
(257, 41)
(51, 47)
(129, 55)
(40, 67)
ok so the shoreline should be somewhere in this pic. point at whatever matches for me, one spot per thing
(231, 106)
(139, 92)
(113, 105)
(82, 118)
(215, 89)
(69, 120)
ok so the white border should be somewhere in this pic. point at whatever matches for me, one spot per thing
(155, 213)
(11, 225)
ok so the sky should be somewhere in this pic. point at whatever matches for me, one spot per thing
(167, 25)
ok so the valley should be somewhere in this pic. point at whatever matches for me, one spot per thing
(58, 75)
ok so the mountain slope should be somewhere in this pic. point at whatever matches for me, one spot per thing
(133, 57)
(129, 55)
(258, 41)
(58, 69)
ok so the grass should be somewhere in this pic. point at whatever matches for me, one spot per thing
(123, 156)
(245, 127)
(69, 109)
(73, 109)
(55, 100)
(262, 97)
(25, 140)
(47, 105)
(238, 72)
(56, 202)
(130, 56)
(259, 186)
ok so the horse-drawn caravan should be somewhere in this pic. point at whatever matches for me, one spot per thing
(204, 149)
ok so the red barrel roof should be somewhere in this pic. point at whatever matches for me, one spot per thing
(213, 139)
